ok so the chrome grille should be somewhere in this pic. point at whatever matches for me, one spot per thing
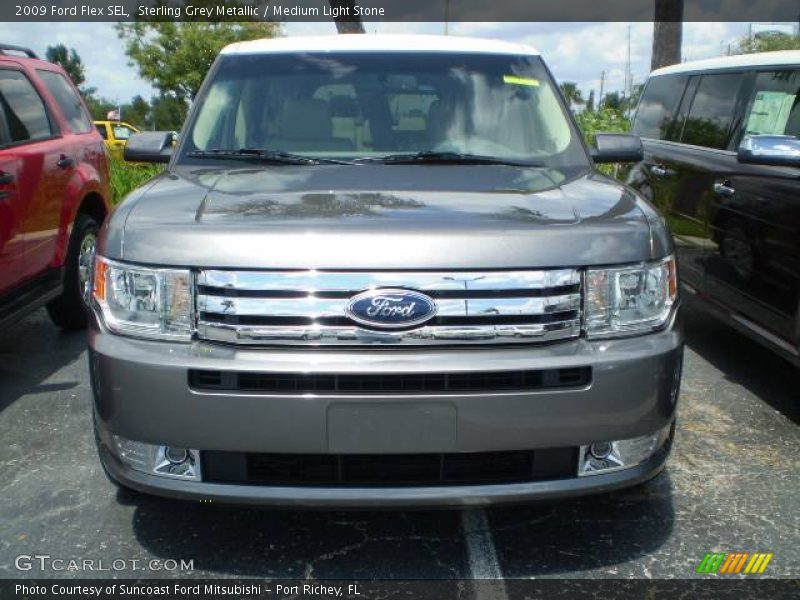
(308, 307)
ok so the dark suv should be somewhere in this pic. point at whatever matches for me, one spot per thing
(722, 162)
(54, 190)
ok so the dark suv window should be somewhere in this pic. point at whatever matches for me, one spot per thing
(712, 110)
(654, 117)
(774, 105)
(23, 108)
(68, 101)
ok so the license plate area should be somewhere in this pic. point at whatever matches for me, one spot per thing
(391, 427)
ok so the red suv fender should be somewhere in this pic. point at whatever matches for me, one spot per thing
(87, 194)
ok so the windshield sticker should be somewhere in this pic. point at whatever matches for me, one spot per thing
(514, 80)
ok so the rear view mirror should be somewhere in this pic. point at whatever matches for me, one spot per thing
(782, 150)
(617, 147)
(149, 146)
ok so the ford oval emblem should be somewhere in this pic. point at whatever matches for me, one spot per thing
(387, 308)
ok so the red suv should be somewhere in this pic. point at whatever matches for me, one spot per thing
(54, 190)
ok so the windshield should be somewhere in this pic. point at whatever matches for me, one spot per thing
(356, 106)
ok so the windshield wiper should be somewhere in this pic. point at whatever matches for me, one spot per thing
(459, 158)
(265, 155)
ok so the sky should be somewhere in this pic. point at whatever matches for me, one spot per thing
(576, 52)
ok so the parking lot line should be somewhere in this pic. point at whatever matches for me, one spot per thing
(483, 563)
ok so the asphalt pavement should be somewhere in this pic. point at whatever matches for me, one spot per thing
(731, 485)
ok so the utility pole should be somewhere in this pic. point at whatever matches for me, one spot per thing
(628, 75)
(602, 87)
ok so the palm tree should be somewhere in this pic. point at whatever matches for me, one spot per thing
(667, 33)
(571, 93)
(351, 24)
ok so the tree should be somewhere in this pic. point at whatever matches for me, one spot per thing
(167, 113)
(137, 112)
(175, 56)
(571, 93)
(68, 60)
(590, 101)
(613, 101)
(768, 43)
(349, 23)
(667, 33)
(99, 106)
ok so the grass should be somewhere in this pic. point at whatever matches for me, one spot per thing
(126, 177)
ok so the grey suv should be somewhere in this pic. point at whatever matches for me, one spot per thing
(383, 270)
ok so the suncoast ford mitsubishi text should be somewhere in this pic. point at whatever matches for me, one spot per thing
(383, 270)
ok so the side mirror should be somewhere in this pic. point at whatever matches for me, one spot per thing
(616, 148)
(781, 150)
(149, 146)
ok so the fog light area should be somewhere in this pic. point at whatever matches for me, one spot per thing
(604, 457)
(165, 461)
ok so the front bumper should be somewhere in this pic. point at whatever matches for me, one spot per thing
(142, 393)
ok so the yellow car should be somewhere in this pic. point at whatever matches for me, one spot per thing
(115, 134)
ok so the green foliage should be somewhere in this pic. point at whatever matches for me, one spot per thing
(68, 60)
(768, 44)
(571, 93)
(125, 176)
(175, 57)
(601, 121)
(167, 113)
(604, 120)
(98, 106)
(137, 112)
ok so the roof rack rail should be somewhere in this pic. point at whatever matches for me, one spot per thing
(6, 48)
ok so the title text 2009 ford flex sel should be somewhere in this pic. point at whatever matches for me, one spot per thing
(383, 271)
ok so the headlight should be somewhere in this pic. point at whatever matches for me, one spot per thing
(629, 300)
(143, 302)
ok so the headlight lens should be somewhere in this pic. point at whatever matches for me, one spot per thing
(629, 300)
(143, 302)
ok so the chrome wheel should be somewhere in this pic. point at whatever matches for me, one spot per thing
(86, 265)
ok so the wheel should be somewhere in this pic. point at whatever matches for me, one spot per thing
(69, 309)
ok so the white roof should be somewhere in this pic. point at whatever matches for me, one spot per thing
(371, 42)
(760, 59)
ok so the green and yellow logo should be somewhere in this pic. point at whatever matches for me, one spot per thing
(733, 563)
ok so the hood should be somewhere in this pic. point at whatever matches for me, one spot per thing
(381, 217)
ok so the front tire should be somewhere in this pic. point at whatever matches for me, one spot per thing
(68, 311)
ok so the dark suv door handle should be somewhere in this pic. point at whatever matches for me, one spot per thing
(658, 170)
(723, 189)
(65, 161)
(5, 178)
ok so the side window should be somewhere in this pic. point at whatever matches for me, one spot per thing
(657, 108)
(774, 105)
(712, 110)
(101, 129)
(24, 110)
(68, 101)
(121, 132)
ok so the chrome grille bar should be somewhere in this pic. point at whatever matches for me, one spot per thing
(308, 307)
(326, 281)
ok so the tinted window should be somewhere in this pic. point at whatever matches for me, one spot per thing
(656, 111)
(23, 107)
(354, 105)
(68, 101)
(774, 105)
(712, 110)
